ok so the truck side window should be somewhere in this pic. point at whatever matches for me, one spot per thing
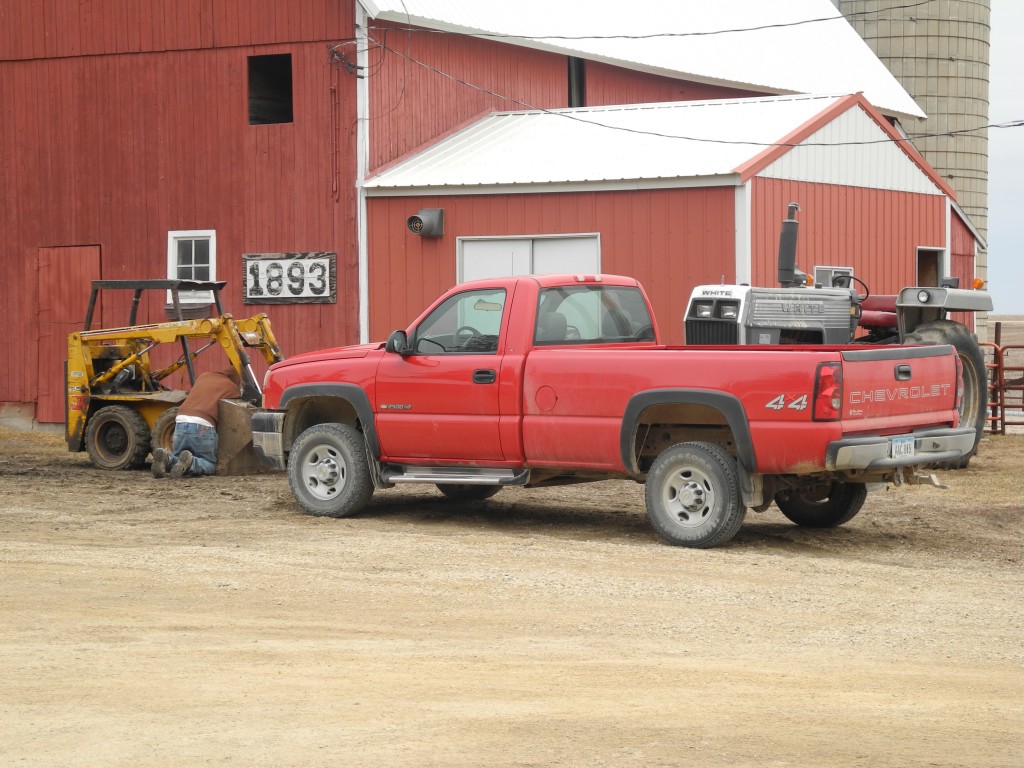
(465, 324)
(592, 314)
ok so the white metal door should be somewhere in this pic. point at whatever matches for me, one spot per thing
(480, 258)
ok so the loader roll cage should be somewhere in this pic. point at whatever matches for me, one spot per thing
(116, 406)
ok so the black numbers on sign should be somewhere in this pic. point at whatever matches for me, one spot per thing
(254, 288)
(296, 278)
(299, 278)
(318, 278)
(275, 278)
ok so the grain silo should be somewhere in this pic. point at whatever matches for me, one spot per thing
(939, 51)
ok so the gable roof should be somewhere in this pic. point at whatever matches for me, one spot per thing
(689, 143)
(799, 46)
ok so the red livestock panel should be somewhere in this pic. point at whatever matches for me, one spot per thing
(875, 231)
(606, 84)
(671, 240)
(37, 29)
(423, 85)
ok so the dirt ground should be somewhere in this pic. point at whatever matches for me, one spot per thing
(209, 623)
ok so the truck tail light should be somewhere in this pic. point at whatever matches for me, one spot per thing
(828, 392)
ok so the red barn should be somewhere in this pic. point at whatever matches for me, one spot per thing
(175, 138)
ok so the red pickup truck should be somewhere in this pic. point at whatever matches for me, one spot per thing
(556, 379)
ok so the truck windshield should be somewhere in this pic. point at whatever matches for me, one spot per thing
(592, 314)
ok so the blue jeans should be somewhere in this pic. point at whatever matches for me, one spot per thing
(201, 440)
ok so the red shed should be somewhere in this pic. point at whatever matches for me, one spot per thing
(675, 194)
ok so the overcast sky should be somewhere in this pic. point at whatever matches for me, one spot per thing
(1006, 159)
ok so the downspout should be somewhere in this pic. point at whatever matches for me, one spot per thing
(741, 216)
(362, 161)
(947, 255)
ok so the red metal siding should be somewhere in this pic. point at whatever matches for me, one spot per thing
(961, 262)
(671, 240)
(118, 150)
(875, 231)
(42, 29)
(606, 84)
(413, 104)
(62, 306)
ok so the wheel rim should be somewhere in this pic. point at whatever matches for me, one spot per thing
(688, 496)
(113, 440)
(324, 472)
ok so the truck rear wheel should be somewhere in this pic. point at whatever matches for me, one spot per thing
(117, 437)
(693, 495)
(827, 506)
(468, 492)
(328, 472)
(975, 401)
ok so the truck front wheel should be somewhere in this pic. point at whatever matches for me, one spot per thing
(693, 495)
(328, 472)
(827, 506)
(117, 437)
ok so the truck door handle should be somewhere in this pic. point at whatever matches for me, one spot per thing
(484, 376)
(902, 372)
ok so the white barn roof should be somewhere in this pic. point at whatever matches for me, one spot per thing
(796, 46)
(690, 143)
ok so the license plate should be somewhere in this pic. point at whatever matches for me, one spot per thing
(902, 446)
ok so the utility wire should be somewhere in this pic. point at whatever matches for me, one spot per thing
(652, 35)
(569, 115)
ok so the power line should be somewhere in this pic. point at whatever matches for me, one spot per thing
(576, 117)
(652, 35)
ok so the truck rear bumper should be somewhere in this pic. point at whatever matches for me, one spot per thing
(266, 438)
(875, 451)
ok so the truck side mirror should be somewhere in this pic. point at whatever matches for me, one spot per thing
(398, 342)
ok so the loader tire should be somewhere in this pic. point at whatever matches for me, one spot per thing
(117, 437)
(975, 401)
(162, 434)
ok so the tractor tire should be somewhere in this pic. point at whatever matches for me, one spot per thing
(973, 410)
(466, 492)
(693, 495)
(829, 506)
(162, 434)
(328, 471)
(117, 437)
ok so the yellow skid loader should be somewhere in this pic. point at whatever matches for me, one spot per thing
(116, 406)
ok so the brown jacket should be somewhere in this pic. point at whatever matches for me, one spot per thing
(208, 391)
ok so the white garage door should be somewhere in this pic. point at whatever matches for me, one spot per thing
(480, 258)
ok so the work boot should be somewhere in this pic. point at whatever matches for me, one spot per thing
(182, 465)
(161, 460)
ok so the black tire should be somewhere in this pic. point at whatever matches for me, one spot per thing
(693, 495)
(974, 407)
(465, 492)
(117, 437)
(828, 506)
(328, 472)
(162, 434)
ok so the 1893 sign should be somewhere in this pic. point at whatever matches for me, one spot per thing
(289, 278)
